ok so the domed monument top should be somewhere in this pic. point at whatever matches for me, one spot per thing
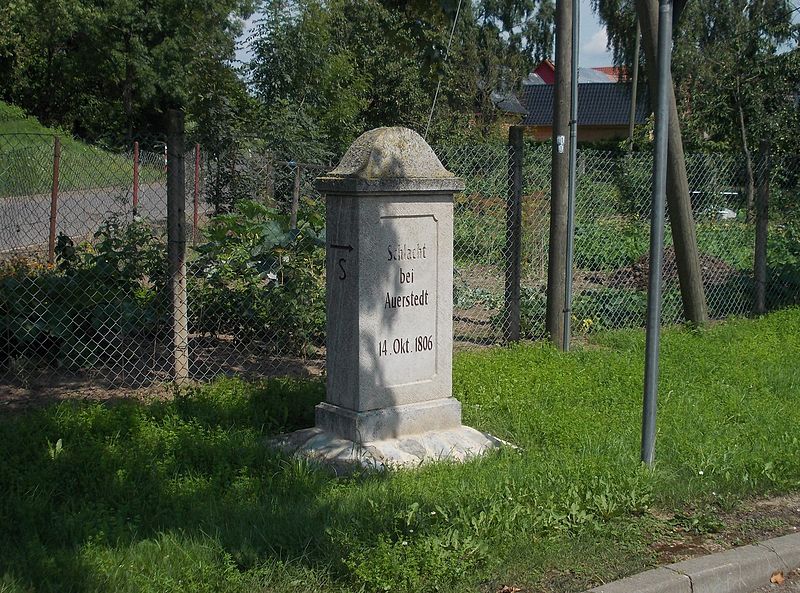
(390, 159)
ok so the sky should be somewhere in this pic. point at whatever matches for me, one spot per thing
(592, 49)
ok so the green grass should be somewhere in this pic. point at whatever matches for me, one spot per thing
(26, 159)
(182, 496)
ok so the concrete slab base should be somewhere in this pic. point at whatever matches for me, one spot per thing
(457, 444)
(390, 422)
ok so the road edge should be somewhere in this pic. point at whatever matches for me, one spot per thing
(739, 570)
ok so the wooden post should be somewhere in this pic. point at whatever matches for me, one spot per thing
(176, 244)
(556, 266)
(762, 218)
(295, 196)
(135, 177)
(196, 201)
(513, 251)
(684, 236)
(51, 244)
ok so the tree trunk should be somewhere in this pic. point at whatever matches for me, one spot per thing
(750, 188)
(678, 204)
(762, 220)
(634, 88)
(556, 263)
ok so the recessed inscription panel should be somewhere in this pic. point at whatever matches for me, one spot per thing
(406, 264)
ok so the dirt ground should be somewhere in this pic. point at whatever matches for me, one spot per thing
(750, 522)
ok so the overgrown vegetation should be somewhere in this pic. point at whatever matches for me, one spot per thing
(182, 495)
(26, 153)
(260, 277)
(97, 294)
(254, 276)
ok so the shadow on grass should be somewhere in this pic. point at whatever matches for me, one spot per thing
(76, 475)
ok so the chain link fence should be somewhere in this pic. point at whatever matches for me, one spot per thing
(85, 284)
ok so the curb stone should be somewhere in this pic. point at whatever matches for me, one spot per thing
(739, 570)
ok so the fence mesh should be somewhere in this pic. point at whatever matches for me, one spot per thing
(86, 301)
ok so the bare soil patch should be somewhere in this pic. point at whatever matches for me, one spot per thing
(752, 521)
(715, 271)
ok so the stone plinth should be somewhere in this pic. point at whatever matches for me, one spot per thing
(389, 309)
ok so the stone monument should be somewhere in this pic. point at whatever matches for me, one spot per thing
(389, 275)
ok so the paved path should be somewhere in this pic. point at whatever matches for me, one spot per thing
(25, 220)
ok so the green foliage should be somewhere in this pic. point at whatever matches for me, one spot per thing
(783, 262)
(633, 175)
(701, 522)
(26, 151)
(106, 70)
(181, 494)
(610, 243)
(67, 315)
(262, 278)
(731, 241)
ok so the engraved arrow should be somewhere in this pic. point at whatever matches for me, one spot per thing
(348, 247)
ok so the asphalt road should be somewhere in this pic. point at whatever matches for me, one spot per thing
(25, 220)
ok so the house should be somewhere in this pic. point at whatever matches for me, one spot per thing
(603, 111)
(545, 73)
(604, 102)
(507, 103)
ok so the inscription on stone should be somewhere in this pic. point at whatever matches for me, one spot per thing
(407, 298)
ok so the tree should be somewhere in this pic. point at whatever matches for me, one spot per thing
(741, 84)
(678, 202)
(107, 68)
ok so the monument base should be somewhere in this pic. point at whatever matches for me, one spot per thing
(391, 422)
(343, 455)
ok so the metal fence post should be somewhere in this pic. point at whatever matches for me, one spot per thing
(51, 244)
(135, 177)
(295, 196)
(513, 249)
(176, 244)
(653, 330)
(762, 219)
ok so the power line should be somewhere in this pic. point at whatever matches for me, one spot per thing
(446, 55)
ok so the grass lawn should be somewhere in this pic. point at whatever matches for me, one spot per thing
(26, 159)
(180, 495)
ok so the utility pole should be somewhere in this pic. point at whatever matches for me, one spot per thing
(556, 261)
(762, 222)
(678, 205)
(572, 185)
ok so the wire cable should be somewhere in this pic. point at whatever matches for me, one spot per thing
(446, 55)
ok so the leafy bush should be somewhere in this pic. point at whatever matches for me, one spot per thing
(479, 230)
(633, 174)
(262, 280)
(608, 244)
(783, 260)
(68, 314)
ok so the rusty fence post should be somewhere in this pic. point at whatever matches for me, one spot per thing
(135, 177)
(51, 243)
